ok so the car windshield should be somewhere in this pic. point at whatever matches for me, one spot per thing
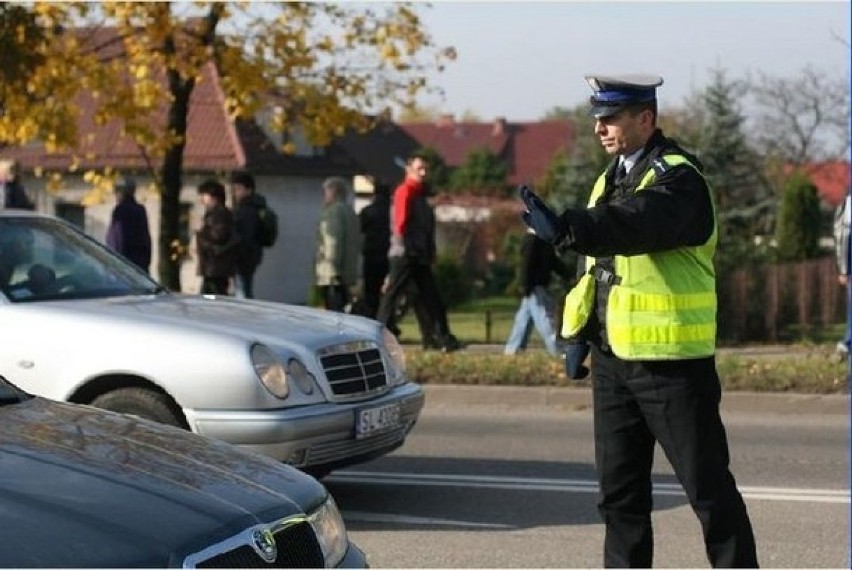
(43, 259)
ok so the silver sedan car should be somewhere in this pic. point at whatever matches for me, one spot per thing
(316, 389)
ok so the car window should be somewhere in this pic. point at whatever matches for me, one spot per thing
(44, 259)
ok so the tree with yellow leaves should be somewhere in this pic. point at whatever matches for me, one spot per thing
(322, 67)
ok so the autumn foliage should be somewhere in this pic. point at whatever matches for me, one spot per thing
(315, 69)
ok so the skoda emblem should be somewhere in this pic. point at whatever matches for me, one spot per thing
(263, 542)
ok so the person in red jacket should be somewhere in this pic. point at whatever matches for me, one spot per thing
(412, 253)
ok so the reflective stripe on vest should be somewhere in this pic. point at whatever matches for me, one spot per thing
(664, 308)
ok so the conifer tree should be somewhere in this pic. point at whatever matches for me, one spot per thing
(743, 199)
(482, 172)
(798, 229)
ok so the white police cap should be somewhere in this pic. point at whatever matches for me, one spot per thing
(614, 92)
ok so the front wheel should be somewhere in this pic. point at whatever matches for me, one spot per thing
(142, 402)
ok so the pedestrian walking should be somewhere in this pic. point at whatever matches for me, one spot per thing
(647, 305)
(12, 193)
(412, 253)
(374, 219)
(842, 216)
(128, 232)
(338, 246)
(216, 241)
(538, 264)
(248, 205)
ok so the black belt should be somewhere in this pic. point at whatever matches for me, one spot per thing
(604, 275)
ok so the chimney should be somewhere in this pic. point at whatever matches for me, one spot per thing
(446, 120)
(499, 127)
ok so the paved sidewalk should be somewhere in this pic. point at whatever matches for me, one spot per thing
(450, 395)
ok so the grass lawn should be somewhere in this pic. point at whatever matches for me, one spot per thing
(486, 321)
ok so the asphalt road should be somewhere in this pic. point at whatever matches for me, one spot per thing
(496, 485)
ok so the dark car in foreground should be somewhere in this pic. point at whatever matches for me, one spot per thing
(82, 487)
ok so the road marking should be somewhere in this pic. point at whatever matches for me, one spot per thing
(571, 485)
(363, 516)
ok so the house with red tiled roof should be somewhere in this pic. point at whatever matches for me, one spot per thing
(831, 179)
(215, 145)
(526, 147)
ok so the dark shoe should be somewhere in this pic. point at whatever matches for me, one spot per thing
(451, 344)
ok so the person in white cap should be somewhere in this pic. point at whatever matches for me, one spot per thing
(647, 306)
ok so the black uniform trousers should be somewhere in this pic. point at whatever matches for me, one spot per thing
(675, 403)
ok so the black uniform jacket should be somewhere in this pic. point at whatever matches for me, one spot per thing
(674, 211)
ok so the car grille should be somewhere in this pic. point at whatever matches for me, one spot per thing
(296, 546)
(353, 369)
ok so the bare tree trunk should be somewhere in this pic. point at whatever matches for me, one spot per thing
(170, 246)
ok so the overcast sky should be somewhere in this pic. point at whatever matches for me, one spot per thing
(519, 59)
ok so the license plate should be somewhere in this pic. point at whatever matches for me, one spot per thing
(373, 420)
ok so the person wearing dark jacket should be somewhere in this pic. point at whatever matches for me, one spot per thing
(216, 241)
(538, 263)
(374, 219)
(412, 252)
(249, 253)
(128, 231)
(647, 305)
(12, 194)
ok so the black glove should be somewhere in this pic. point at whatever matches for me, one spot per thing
(576, 352)
(545, 222)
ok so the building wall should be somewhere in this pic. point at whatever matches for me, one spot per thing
(287, 271)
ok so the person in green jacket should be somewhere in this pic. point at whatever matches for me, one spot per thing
(338, 246)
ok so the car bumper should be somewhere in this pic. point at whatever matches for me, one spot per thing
(315, 435)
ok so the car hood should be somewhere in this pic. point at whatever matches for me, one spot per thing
(80, 487)
(253, 320)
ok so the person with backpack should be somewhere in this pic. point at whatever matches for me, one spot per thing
(250, 209)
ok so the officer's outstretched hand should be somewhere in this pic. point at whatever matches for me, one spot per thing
(545, 222)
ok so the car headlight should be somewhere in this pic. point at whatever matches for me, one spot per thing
(269, 371)
(397, 357)
(300, 375)
(331, 532)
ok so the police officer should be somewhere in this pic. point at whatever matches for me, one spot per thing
(647, 306)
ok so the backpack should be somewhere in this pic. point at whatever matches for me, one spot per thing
(268, 230)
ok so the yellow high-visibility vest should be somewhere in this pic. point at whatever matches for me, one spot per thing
(664, 307)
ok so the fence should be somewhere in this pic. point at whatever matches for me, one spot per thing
(779, 302)
(767, 303)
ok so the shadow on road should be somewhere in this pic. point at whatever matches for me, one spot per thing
(402, 493)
